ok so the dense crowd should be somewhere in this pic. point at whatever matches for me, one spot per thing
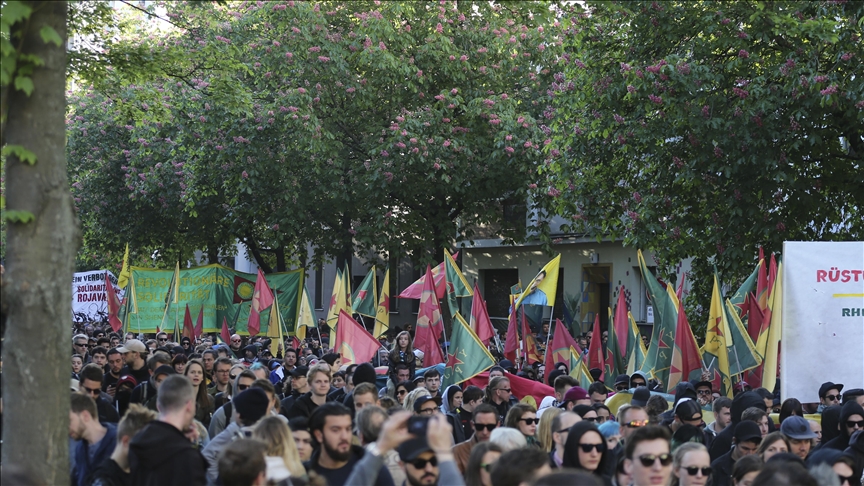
(158, 412)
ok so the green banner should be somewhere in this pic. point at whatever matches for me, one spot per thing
(224, 293)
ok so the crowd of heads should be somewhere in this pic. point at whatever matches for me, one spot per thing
(259, 413)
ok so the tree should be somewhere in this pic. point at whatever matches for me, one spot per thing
(386, 127)
(707, 130)
(42, 239)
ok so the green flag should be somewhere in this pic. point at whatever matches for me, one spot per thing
(613, 364)
(455, 283)
(635, 356)
(659, 357)
(169, 322)
(467, 357)
(365, 299)
(578, 368)
(742, 352)
(748, 286)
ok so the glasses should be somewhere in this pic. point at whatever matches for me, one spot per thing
(649, 460)
(622, 388)
(704, 392)
(80, 345)
(855, 423)
(489, 427)
(242, 387)
(401, 392)
(590, 419)
(91, 391)
(421, 463)
(844, 479)
(427, 411)
(225, 371)
(600, 419)
(693, 470)
(635, 424)
(163, 339)
(488, 467)
(503, 389)
(586, 448)
(564, 431)
(529, 421)
(638, 383)
(833, 398)
(232, 376)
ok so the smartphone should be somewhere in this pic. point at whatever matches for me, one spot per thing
(417, 425)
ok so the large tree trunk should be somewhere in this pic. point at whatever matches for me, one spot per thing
(39, 264)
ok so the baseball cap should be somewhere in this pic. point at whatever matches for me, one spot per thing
(133, 345)
(851, 393)
(164, 370)
(622, 380)
(823, 390)
(127, 379)
(796, 427)
(573, 394)
(687, 409)
(640, 396)
(412, 448)
(421, 400)
(747, 430)
(299, 371)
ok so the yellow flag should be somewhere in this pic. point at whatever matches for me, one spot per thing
(717, 341)
(123, 278)
(274, 328)
(306, 316)
(542, 288)
(338, 300)
(771, 342)
(382, 312)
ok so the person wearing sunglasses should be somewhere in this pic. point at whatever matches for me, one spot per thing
(691, 465)
(484, 420)
(746, 439)
(842, 464)
(851, 421)
(646, 456)
(561, 425)
(586, 449)
(523, 417)
(483, 458)
(222, 416)
(829, 394)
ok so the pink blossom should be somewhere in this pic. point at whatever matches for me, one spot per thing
(439, 28)
(384, 153)
(452, 58)
(420, 75)
(631, 88)
(413, 140)
(504, 96)
(846, 56)
(618, 118)
(219, 147)
(553, 192)
(350, 90)
(454, 91)
(820, 79)
(463, 58)
(656, 99)
(314, 49)
(743, 54)
(509, 150)
(436, 165)
(301, 90)
(382, 46)
(323, 58)
(741, 93)
(446, 143)
(289, 55)
(202, 119)
(829, 90)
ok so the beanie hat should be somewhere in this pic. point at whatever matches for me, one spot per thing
(609, 429)
(251, 404)
(364, 373)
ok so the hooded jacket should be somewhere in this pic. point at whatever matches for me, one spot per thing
(841, 442)
(856, 450)
(830, 423)
(723, 442)
(452, 414)
(160, 454)
(303, 406)
(683, 389)
(571, 449)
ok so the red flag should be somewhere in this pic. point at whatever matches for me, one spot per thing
(188, 328)
(225, 334)
(686, 358)
(199, 324)
(595, 350)
(480, 322)
(558, 350)
(511, 344)
(762, 284)
(520, 387)
(262, 298)
(621, 323)
(113, 305)
(529, 345)
(429, 322)
(414, 290)
(295, 342)
(353, 342)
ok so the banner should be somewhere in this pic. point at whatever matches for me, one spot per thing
(89, 301)
(822, 316)
(224, 293)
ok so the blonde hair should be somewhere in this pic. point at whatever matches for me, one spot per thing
(280, 443)
(396, 342)
(544, 429)
(412, 397)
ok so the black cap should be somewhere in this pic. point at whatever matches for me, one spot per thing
(506, 364)
(640, 396)
(164, 370)
(178, 350)
(823, 389)
(299, 371)
(851, 393)
(251, 404)
(688, 410)
(747, 430)
(625, 379)
(421, 400)
(411, 449)
(703, 383)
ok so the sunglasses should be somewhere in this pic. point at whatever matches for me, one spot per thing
(844, 479)
(648, 460)
(421, 463)
(589, 419)
(693, 470)
(586, 448)
(529, 421)
(163, 340)
(638, 383)
(855, 423)
(503, 389)
(91, 391)
(635, 424)
(622, 388)
(242, 387)
(488, 467)
(704, 392)
(489, 427)
(81, 344)
(232, 376)
(833, 398)
(401, 392)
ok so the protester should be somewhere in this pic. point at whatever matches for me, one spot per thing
(575, 396)
(508, 439)
(723, 441)
(722, 416)
(134, 354)
(544, 429)
(797, 431)
(401, 353)
(745, 471)
(402, 390)
(243, 463)
(586, 449)
(281, 455)
(370, 421)
(161, 453)
(518, 467)
(319, 381)
(365, 394)
(91, 384)
(691, 465)
(115, 365)
(523, 417)
(483, 458)
(829, 394)
(646, 456)
(772, 444)
(561, 425)
(249, 406)
(498, 394)
(484, 422)
(746, 440)
(94, 442)
(432, 381)
(851, 420)
(302, 437)
(115, 471)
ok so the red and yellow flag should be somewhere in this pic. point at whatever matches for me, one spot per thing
(353, 341)
(262, 298)
(430, 326)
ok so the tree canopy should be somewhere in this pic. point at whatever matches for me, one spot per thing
(385, 127)
(709, 129)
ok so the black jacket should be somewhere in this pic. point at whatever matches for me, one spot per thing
(338, 477)
(109, 474)
(288, 402)
(841, 442)
(160, 454)
(303, 406)
(723, 441)
(721, 470)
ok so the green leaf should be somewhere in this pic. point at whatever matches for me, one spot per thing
(22, 153)
(16, 216)
(48, 34)
(25, 84)
(14, 11)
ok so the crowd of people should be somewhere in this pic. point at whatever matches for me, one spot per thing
(158, 412)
